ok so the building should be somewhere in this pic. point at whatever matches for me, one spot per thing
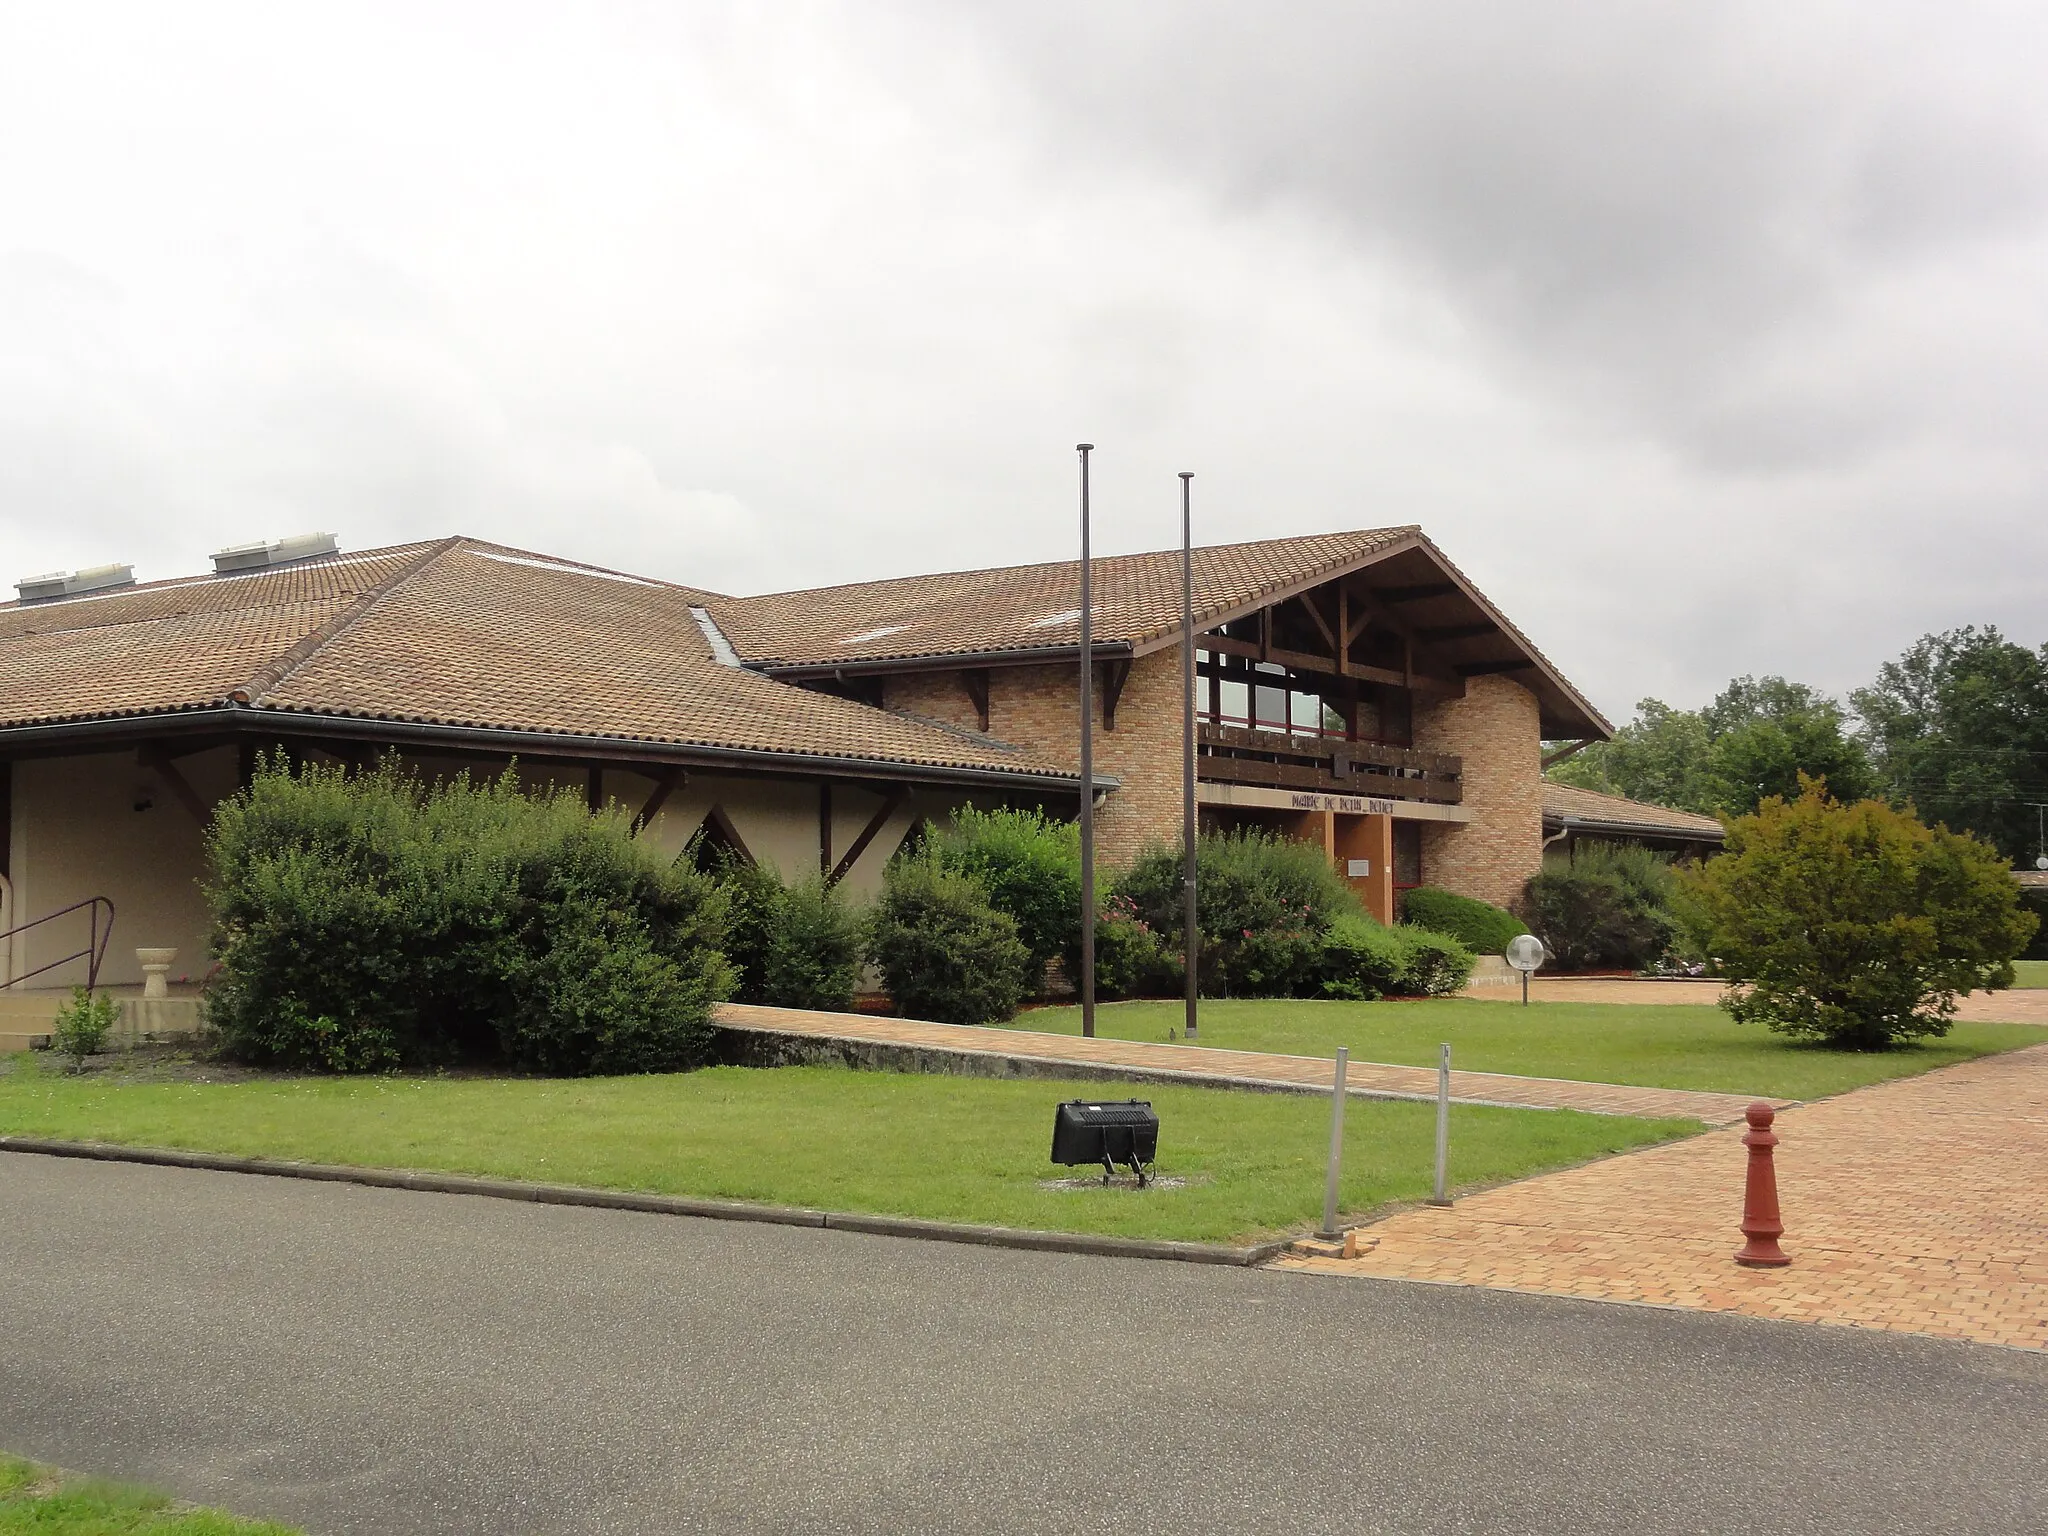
(1573, 816)
(1353, 689)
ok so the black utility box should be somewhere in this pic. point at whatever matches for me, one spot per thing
(1106, 1132)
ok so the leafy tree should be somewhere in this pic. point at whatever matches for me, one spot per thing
(1856, 925)
(1959, 728)
(1753, 741)
(1766, 732)
(1660, 758)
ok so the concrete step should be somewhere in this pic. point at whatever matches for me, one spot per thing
(27, 1018)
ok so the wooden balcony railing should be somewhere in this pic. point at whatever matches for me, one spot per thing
(1229, 754)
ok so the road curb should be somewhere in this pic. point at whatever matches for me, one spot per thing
(658, 1205)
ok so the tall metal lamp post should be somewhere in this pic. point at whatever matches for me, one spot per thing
(1189, 930)
(1087, 976)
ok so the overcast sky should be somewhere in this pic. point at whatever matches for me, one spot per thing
(1707, 339)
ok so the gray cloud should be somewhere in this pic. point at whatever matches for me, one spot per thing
(1712, 339)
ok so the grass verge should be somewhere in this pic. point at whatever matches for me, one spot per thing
(944, 1148)
(2030, 973)
(1651, 1045)
(44, 1501)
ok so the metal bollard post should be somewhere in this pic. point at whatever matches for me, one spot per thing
(1443, 1122)
(1336, 1146)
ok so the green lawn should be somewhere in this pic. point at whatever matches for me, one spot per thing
(954, 1149)
(37, 1499)
(2031, 973)
(1654, 1045)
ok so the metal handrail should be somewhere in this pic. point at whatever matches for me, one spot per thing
(95, 951)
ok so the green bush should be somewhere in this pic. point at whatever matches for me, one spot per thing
(1478, 925)
(944, 951)
(1262, 904)
(1360, 959)
(1129, 959)
(369, 921)
(1614, 906)
(815, 952)
(790, 946)
(1030, 866)
(1855, 925)
(82, 1025)
(1438, 964)
(753, 901)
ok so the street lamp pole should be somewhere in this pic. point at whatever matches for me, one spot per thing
(1189, 831)
(1087, 977)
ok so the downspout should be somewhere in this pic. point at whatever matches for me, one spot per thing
(6, 930)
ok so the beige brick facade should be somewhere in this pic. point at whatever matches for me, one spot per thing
(1035, 707)
(1495, 728)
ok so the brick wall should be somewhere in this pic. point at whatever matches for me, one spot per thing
(1496, 729)
(1036, 707)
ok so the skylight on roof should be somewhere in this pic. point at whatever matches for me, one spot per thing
(573, 570)
(874, 634)
(1054, 620)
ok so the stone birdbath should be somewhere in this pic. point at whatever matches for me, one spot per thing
(156, 966)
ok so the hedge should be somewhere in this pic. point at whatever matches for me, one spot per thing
(944, 951)
(369, 921)
(1479, 925)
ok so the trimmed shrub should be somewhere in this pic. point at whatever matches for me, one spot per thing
(1262, 902)
(753, 901)
(1438, 964)
(790, 946)
(1361, 959)
(371, 921)
(815, 951)
(944, 951)
(1480, 926)
(1614, 906)
(1030, 866)
(1129, 959)
(1855, 925)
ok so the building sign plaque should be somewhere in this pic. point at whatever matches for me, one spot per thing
(1347, 805)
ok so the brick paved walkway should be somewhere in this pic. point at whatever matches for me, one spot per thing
(2019, 1005)
(1919, 1205)
(1201, 1063)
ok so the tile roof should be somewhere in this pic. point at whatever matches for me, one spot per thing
(456, 633)
(1013, 611)
(1590, 808)
(1028, 607)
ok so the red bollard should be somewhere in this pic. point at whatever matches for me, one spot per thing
(1761, 1223)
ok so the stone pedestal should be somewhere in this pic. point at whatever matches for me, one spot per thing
(156, 968)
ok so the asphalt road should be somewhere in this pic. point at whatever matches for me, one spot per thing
(358, 1360)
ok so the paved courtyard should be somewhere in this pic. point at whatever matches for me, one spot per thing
(1208, 1065)
(1919, 1206)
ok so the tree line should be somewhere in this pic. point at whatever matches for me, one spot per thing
(1956, 728)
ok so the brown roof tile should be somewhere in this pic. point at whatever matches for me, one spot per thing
(1589, 807)
(459, 633)
(1022, 607)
